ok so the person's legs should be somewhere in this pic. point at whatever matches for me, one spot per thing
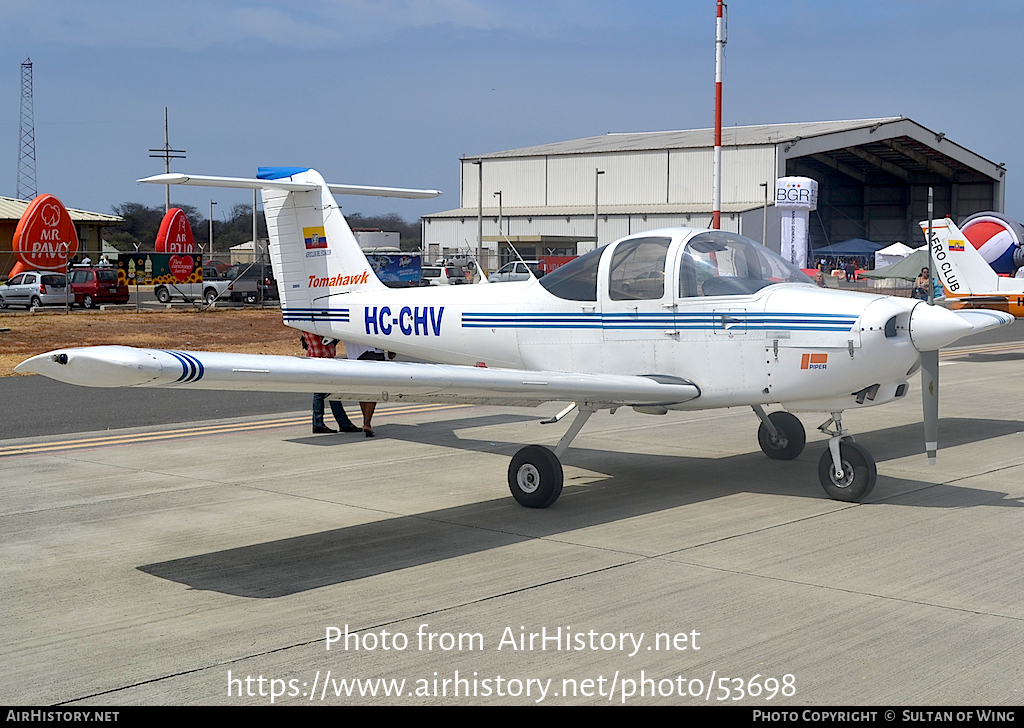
(341, 417)
(318, 413)
(368, 408)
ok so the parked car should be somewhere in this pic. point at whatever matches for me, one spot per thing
(248, 281)
(35, 288)
(442, 275)
(95, 285)
(208, 291)
(517, 270)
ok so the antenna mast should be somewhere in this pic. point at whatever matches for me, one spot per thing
(167, 154)
(720, 40)
(26, 189)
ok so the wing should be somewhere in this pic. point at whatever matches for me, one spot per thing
(122, 366)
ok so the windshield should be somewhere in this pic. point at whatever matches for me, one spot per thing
(717, 263)
(577, 279)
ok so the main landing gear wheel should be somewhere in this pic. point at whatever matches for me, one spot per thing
(859, 473)
(535, 477)
(789, 442)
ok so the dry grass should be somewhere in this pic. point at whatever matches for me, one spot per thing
(253, 331)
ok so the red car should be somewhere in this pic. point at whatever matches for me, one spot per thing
(95, 285)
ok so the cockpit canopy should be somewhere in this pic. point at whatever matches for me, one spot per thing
(712, 263)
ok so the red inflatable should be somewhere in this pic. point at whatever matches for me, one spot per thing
(175, 234)
(45, 238)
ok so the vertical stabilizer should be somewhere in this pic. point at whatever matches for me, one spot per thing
(315, 256)
(958, 264)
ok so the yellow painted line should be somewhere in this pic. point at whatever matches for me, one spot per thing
(137, 437)
(982, 349)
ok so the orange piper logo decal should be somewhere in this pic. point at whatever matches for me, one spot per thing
(814, 361)
(339, 280)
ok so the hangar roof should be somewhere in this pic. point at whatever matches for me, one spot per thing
(681, 139)
(12, 208)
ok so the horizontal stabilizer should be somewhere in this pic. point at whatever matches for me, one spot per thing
(200, 180)
(122, 366)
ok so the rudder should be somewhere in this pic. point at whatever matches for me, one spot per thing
(314, 254)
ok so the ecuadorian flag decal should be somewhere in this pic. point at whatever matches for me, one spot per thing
(956, 246)
(315, 237)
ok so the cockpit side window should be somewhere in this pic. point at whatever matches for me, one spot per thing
(718, 263)
(638, 269)
(577, 279)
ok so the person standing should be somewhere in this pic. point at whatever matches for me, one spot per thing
(921, 285)
(367, 353)
(316, 346)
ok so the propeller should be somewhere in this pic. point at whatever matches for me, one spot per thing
(931, 328)
(929, 360)
(930, 401)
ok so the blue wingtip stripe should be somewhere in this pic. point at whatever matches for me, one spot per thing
(192, 369)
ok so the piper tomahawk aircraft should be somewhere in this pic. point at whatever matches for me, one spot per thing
(672, 319)
(968, 279)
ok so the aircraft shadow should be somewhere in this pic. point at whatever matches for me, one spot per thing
(625, 486)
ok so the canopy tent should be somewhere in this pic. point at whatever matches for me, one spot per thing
(893, 254)
(908, 269)
(853, 246)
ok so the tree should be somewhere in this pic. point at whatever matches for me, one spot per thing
(142, 224)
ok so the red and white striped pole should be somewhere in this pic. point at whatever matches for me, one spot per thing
(716, 213)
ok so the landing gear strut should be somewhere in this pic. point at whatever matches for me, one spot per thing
(535, 474)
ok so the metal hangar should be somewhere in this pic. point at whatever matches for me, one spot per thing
(567, 197)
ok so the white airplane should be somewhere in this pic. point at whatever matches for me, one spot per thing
(968, 279)
(672, 319)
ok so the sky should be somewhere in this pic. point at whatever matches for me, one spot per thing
(394, 92)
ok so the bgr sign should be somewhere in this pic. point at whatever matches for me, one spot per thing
(796, 193)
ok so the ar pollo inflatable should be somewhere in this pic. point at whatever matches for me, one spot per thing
(175, 234)
(45, 238)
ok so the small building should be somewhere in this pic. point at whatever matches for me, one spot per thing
(89, 224)
(873, 177)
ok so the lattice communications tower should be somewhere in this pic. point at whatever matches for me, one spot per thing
(26, 138)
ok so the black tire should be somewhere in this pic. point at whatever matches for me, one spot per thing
(35, 302)
(790, 441)
(3, 303)
(859, 473)
(250, 298)
(209, 296)
(535, 477)
(87, 301)
(163, 295)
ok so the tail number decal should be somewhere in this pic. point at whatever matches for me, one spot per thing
(410, 320)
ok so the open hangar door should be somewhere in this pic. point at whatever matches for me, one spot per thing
(878, 190)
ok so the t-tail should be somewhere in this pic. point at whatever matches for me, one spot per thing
(959, 265)
(315, 257)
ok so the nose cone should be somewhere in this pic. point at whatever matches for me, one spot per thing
(933, 327)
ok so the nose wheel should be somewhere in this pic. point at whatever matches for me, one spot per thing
(846, 470)
(858, 475)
